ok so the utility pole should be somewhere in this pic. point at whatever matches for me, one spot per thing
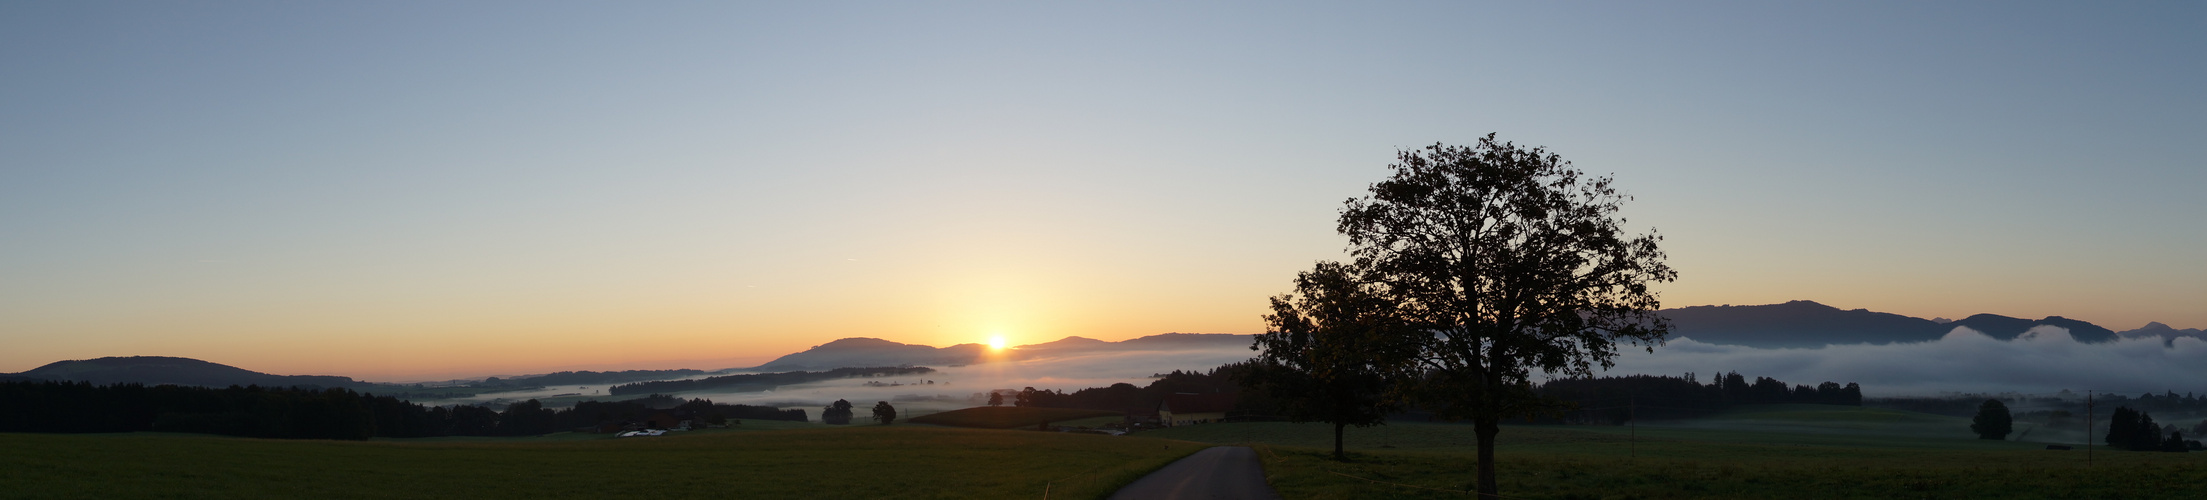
(1632, 415)
(2088, 428)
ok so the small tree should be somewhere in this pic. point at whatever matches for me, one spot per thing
(2147, 435)
(838, 413)
(1993, 421)
(996, 398)
(1332, 351)
(2121, 426)
(884, 413)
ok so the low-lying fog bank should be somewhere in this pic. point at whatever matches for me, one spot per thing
(958, 387)
(2044, 360)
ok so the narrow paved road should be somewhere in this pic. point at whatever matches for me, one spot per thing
(1218, 472)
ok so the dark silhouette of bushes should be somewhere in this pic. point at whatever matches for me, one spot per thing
(1612, 400)
(309, 413)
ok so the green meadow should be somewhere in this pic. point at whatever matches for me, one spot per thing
(1776, 451)
(1804, 451)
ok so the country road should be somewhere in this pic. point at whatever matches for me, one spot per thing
(1218, 472)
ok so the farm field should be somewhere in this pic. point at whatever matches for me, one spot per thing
(796, 461)
(1788, 451)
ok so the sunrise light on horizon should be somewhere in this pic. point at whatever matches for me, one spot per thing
(411, 192)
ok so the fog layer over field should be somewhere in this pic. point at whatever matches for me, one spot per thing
(2043, 360)
(955, 387)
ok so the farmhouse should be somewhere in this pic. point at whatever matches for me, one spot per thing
(1182, 408)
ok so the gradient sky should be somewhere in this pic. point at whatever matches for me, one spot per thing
(413, 190)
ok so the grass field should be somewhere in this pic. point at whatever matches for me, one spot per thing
(815, 462)
(1814, 452)
(1007, 417)
(1807, 451)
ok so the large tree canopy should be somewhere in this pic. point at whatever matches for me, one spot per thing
(1992, 420)
(1510, 261)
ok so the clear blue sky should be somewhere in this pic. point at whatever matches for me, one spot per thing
(413, 189)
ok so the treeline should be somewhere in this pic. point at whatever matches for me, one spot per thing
(301, 413)
(591, 413)
(762, 380)
(1124, 396)
(2135, 430)
(1611, 400)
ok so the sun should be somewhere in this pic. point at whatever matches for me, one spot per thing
(996, 342)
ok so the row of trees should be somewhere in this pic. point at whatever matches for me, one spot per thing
(1123, 396)
(1473, 268)
(2134, 430)
(303, 413)
(840, 413)
(1605, 400)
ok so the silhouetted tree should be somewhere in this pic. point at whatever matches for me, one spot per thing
(1736, 389)
(2175, 443)
(837, 413)
(1992, 421)
(2121, 427)
(1509, 261)
(1332, 350)
(2147, 435)
(996, 398)
(526, 418)
(884, 413)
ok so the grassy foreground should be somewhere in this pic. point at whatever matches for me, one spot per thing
(820, 462)
(1814, 453)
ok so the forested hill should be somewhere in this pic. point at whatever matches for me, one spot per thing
(1804, 323)
(158, 370)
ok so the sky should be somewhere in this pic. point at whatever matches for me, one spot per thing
(421, 190)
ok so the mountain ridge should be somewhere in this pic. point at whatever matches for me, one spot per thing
(1793, 324)
(1805, 323)
(868, 351)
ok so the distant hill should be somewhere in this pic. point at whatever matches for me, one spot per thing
(2165, 332)
(860, 352)
(156, 370)
(2006, 328)
(1798, 323)
(1804, 323)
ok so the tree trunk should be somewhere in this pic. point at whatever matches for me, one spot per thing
(1337, 454)
(1485, 428)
